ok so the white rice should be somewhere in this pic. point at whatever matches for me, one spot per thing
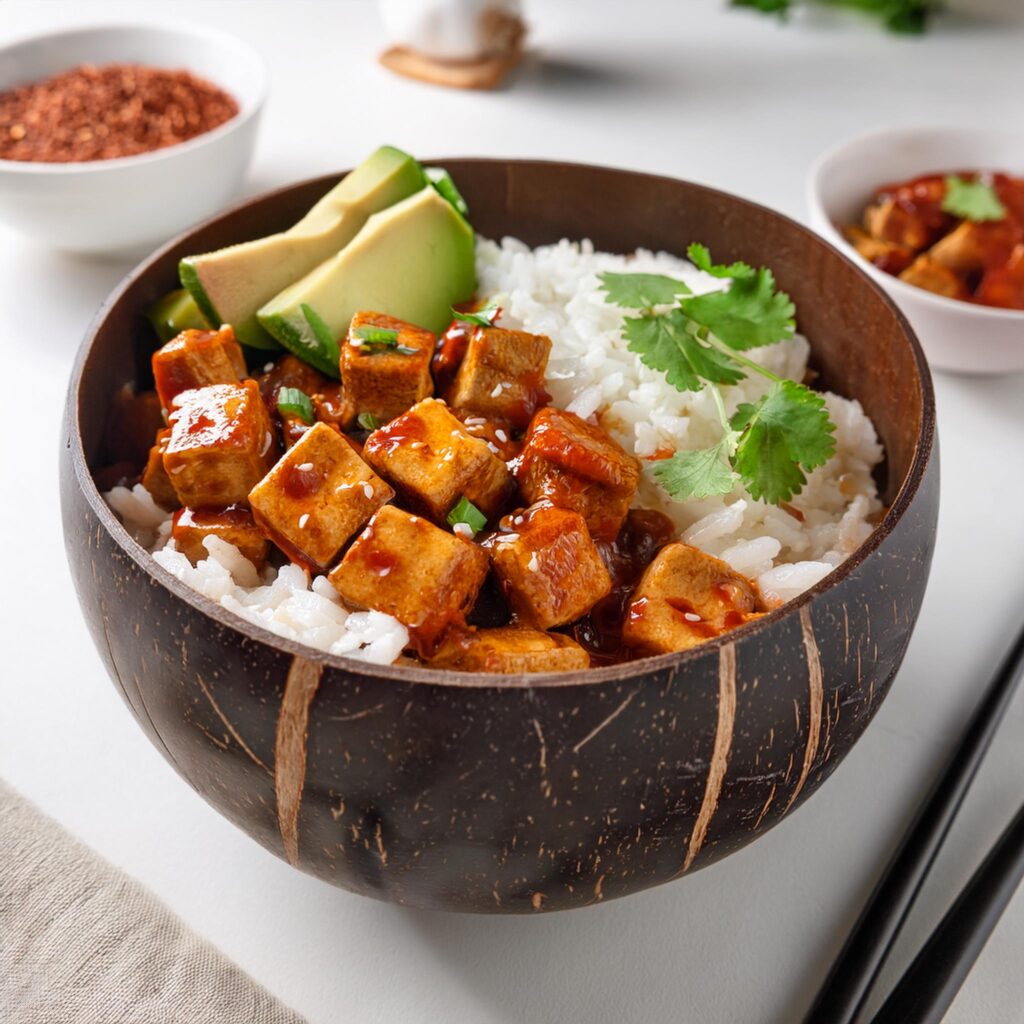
(554, 290)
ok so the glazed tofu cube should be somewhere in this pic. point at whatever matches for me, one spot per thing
(132, 424)
(220, 439)
(684, 598)
(576, 465)
(509, 649)
(433, 460)
(154, 476)
(502, 375)
(317, 496)
(234, 525)
(549, 568)
(927, 273)
(383, 380)
(405, 566)
(196, 359)
(970, 247)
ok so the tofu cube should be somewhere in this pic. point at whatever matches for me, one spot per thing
(381, 380)
(196, 359)
(433, 460)
(132, 423)
(509, 649)
(405, 566)
(154, 476)
(549, 568)
(502, 375)
(576, 465)
(317, 496)
(684, 598)
(234, 525)
(932, 276)
(220, 438)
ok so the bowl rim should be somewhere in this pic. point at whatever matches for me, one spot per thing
(818, 172)
(249, 106)
(417, 675)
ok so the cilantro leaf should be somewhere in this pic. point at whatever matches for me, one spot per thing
(703, 473)
(641, 291)
(972, 200)
(700, 256)
(663, 343)
(750, 314)
(481, 317)
(784, 434)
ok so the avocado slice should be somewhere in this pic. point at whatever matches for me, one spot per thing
(412, 261)
(173, 313)
(231, 284)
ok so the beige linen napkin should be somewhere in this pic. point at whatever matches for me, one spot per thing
(83, 943)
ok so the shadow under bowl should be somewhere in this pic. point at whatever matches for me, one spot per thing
(502, 794)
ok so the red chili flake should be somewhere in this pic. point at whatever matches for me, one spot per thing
(100, 113)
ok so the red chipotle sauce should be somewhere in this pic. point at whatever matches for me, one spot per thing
(644, 533)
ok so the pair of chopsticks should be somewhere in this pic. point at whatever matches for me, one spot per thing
(930, 984)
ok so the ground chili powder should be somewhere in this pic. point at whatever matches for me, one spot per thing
(102, 112)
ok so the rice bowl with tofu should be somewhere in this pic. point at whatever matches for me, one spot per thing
(549, 561)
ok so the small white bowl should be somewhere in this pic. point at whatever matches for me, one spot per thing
(958, 336)
(128, 204)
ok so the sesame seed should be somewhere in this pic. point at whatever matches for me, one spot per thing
(494, 448)
(463, 530)
(367, 489)
(533, 565)
(497, 391)
(267, 367)
(384, 571)
(475, 421)
(691, 617)
(303, 519)
(501, 436)
(267, 442)
(418, 444)
(304, 467)
(177, 470)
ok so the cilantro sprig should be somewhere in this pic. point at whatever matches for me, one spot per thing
(698, 342)
(484, 317)
(972, 200)
(903, 16)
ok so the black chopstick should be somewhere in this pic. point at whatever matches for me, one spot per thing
(930, 984)
(850, 981)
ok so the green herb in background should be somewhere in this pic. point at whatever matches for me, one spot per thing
(481, 318)
(698, 342)
(906, 16)
(296, 403)
(972, 200)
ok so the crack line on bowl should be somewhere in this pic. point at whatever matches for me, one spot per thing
(815, 700)
(290, 749)
(232, 731)
(719, 763)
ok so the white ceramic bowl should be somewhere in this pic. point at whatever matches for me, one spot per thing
(957, 336)
(132, 203)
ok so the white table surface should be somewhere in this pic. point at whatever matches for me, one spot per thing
(684, 88)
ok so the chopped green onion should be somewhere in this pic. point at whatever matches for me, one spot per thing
(368, 421)
(442, 181)
(327, 347)
(296, 403)
(465, 512)
(482, 317)
(377, 335)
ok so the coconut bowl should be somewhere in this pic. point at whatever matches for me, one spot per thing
(507, 794)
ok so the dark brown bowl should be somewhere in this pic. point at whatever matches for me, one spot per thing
(503, 794)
